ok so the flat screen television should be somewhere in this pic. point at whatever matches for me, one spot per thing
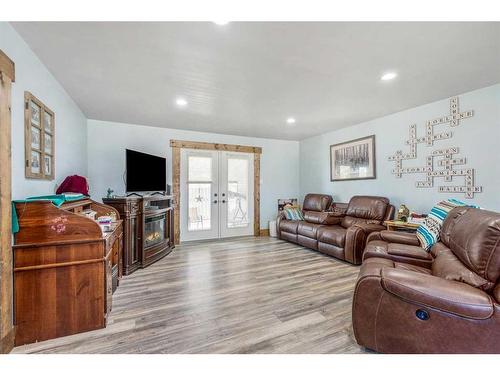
(145, 172)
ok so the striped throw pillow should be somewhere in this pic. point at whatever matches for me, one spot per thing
(293, 213)
(428, 232)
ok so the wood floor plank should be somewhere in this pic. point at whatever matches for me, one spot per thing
(242, 295)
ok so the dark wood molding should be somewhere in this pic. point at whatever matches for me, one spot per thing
(264, 232)
(215, 146)
(176, 186)
(256, 195)
(7, 66)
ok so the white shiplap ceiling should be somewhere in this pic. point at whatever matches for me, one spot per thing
(248, 78)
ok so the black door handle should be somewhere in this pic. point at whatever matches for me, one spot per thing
(223, 201)
(215, 202)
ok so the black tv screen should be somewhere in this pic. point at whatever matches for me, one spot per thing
(145, 172)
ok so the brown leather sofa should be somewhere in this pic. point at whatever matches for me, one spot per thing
(447, 301)
(336, 229)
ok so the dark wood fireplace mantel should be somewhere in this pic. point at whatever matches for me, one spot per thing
(143, 246)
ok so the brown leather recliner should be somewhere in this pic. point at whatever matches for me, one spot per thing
(342, 231)
(448, 302)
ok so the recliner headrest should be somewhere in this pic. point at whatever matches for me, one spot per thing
(473, 235)
(317, 202)
(367, 207)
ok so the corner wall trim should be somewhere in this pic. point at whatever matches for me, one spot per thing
(7, 331)
(264, 232)
(7, 66)
(7, 342)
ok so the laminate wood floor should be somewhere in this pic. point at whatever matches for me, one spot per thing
(244, 295)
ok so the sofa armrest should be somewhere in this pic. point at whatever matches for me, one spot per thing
(281, 216)
(323, 217)
(445, 295)
(404, 238)
(355, 241)
(369, 228)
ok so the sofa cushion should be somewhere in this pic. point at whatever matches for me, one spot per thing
(397, 252)
(332, 234)
(293, 213)
(412, 268)
(349, 221)
(317, 202)
(400, 237)
(449, 267)
(411, 251)
(308, 229)
(289, 226)
(428, 232)
(475, 240)
(328, 218)
(366, 207)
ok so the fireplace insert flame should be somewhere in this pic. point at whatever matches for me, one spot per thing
(154, 230)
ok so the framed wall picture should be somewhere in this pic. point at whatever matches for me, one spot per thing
(353, 160)
(39, 138)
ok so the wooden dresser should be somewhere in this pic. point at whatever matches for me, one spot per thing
(65, 269)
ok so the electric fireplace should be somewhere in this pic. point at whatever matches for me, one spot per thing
(154, 230)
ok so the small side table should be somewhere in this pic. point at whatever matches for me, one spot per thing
(401, 225)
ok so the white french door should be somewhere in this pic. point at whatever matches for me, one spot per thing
(216, 194)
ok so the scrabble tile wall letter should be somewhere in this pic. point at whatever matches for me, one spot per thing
(440, 163)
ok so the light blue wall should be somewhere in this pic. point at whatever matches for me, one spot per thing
(71, 123)
(478, 139)
(108, 141)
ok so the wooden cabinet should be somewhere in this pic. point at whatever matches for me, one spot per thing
(130, 210)
(148, 229)
(65, 269)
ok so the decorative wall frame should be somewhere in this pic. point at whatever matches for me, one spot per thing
(353, 160)
(39, 139)
(444, 157)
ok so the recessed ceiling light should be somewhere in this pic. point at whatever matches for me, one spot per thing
(290, 121)
(181, 102)
(388, 76)
(221, 23)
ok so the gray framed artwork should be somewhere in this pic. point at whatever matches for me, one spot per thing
(353, 160)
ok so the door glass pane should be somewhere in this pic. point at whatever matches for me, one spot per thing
(199, 168)
(237, 192)
(199, 206)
